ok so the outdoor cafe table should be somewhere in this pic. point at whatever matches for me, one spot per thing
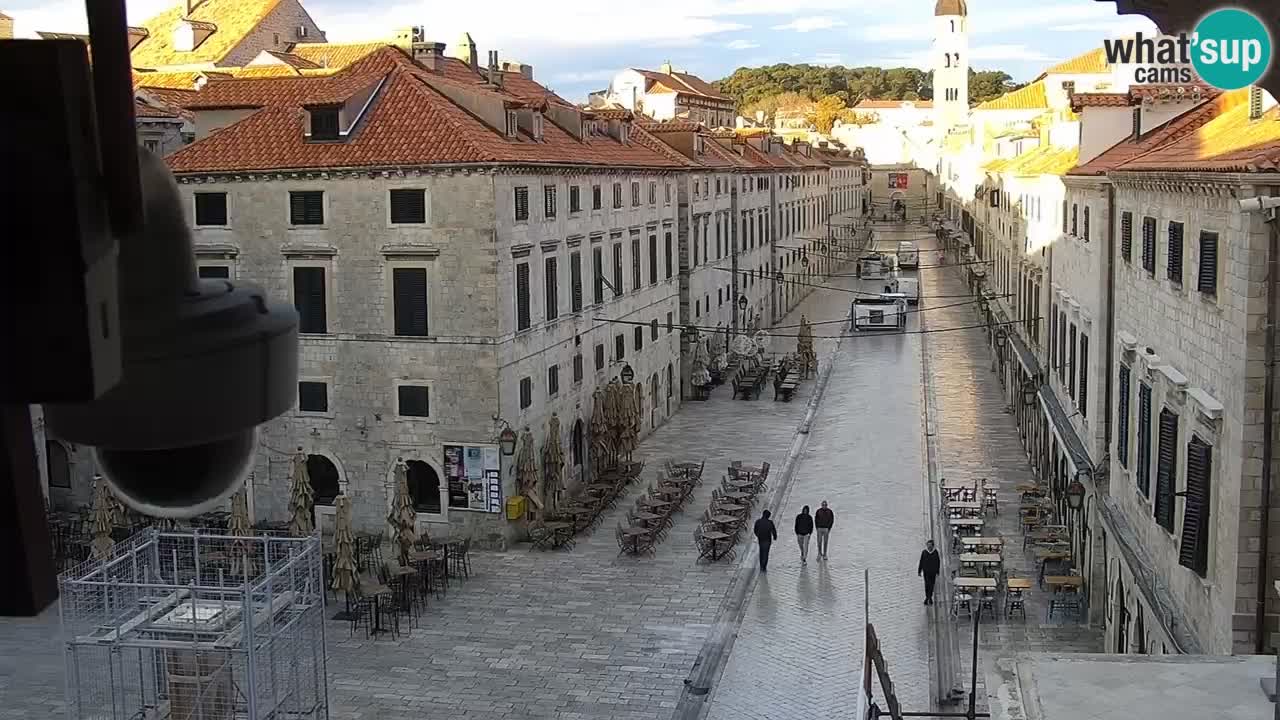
(737, 495)
(669, 492)
(740, 483)
(974, 583)
(982, 542)
(730, 508)
(654, 502)
(600, 488)
(986, 560)
(723, 519)
(968, 507)
(647, 517)
(966, 522)
(1060, 581)
(717, 539)
(685, 466)
(631, 538)
(1018, 583)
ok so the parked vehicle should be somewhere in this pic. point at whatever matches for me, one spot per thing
(888, 311)
(908, 287)
(908, 254)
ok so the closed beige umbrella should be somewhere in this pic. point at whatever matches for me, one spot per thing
(238, 525)
(344, 563)
(552, 465)
(403, 518)
(599, 433)
(100, 521)
(301, 498)
(527, 469)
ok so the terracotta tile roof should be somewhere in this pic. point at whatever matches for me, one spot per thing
(1044, 160)
(1173, 91)
(997, 165)
(173, 80)
(334, 55)
(893, 104)
(1093, 62)
(233, 19)
(169, 96)
(682, 83)
(150, 112)
(408, 123)
(1178, 127)
(678, 126)
(1082, 100)
(1029, 97)
(1230, 142)
(293, 60)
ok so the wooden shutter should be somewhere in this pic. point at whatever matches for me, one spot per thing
(1075, 219)
(522, 203)
(549, 201)
(1149, 244)
(600, 356)
(306, 207)
(553, 380)
(1126, 236)
(667, 252)
(526, 392)
(1082, 400)
(1086, 223)
(597, 270)
(1053, 334)
(1071, 367)
(1144, 438)
(1062, 347)
(313, 397)
(1175, 252)
(577, 368)
(522, 297)
(414, 401)
(409, 286)
(211, 208)
(551, 283)
(408, 206)
(1166, 468)
(309, 299)
(214, 272)
(639, 336)
(617, 269)
(1193, 550)
(1122, 419)
(653, 259)
(575, 281)
(1207, 280)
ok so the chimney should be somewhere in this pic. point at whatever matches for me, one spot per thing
(1255, 102)
(665, 69)
(1136, 131)
(495, 71)
(6, 27)
(516, 66)
(465, 51)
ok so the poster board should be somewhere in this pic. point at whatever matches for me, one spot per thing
(898, 181)
(473, 477)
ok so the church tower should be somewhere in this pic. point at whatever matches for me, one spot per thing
(950, 63)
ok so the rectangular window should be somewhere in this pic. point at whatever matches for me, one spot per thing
(636, 273)
(551, 284)
(697, 224)
(666, 194)
(313, 397)
(1173, 262)
(1075, 210)
(522, 204)
(1064, 217)
(1062, 348)
(549, 201)
(635, 194)
(599, 356)
(1166, 468)
(325, 123)
(1149, 245)
(577, 368)
(1086, 224)
(670, 323)
(553, 381)
(408, 206)
(214, 272)
(526, 392)
(1053, 335)
(1071, 366)
(653, 259)
(413, 401)
(597, 275)
(617, 269)
(617, 196)
(1082, 400)
(653, 193)
(311, 299)
(667, 251)
(409, 290)
(619, 347)
(1126, 236)
(639, 338)
(597, 200)
(575, 281)
(1207, 277)
(211, 208)
(1144, 438)
(575, 199)
(523, 319)
(1122, 419)
(653, 329)
(1193, 550)
(306, 207)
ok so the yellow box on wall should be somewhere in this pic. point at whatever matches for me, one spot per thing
(515, 507)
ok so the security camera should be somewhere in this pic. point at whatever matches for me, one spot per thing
(204, 362)
(1254, 204)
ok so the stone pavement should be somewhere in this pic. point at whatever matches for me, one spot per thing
(976, 436)
(575, 634)
(799, 649)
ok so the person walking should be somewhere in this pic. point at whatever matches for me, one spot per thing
(804, 530)
(766, 533)
(930, 564)
(823, 520)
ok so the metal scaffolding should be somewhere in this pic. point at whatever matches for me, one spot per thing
(197, 626)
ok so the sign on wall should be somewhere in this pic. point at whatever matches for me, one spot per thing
(898, 181)
(472, 474)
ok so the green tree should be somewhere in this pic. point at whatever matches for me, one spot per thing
(990, 84)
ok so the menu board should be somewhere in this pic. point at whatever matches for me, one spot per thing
(474, 479)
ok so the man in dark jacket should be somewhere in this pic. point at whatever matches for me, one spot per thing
(930, 564)
(804, 529)
(766, 533)
(823, 520)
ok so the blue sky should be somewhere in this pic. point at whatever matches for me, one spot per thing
(576, 46)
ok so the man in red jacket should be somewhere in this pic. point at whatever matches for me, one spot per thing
(823, 520)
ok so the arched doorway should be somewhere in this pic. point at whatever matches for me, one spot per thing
(424, 487)
(576, 447)
(57, 464)
(653, 405)
(325, 487)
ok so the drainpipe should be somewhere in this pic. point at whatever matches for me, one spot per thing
(1268, 409)
(1111, 315)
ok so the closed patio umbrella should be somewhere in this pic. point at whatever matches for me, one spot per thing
(238, 524)
(300, 498)
(527, 469)
(100, 521)
(403, 518)
(344, 563)
(552, 465)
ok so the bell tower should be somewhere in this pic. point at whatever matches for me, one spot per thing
(950, 63)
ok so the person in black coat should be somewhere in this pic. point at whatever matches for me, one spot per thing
(823, 520)
(804, 530)
(766, 533)
(930, 564)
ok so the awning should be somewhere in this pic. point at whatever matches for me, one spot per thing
(1067, 437)
(1025, 356)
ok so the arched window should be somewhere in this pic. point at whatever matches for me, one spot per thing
(424, 487)
(324, 479)
(576, 443)
(59, 468)
(947, 56)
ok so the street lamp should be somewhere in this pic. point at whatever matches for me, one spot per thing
(1075, 493)
(804, 259)
(627, 374)
(742, 302)
(1030, 389)
(506, 438)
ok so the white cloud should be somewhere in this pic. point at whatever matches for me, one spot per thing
(1094, 17)
(1122, 26)
(809, 24)
(1010, 52)
(742, 45)
(592, 76)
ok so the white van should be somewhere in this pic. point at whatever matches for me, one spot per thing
(887, 312)
(908, 254)
(907, 287)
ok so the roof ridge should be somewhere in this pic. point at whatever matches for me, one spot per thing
(462, 135)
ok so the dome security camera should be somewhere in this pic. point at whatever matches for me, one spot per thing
(204, 363)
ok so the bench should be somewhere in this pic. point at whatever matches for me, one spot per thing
(786, 387)
(747, 385)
